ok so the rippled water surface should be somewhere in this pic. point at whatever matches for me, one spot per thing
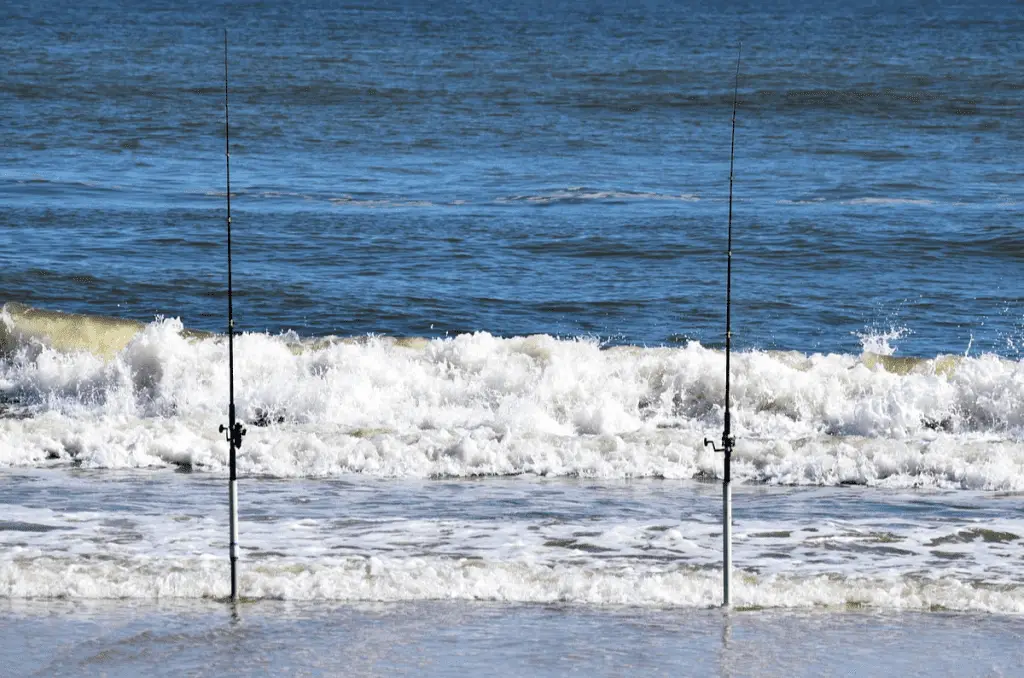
(479, 272)
(558, 168)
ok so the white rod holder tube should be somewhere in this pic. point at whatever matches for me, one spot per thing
(726, 543)
(233, 507)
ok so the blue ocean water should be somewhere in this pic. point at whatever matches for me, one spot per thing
(561, 168)
(479, 279)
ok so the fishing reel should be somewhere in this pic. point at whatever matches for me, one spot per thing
(234, 434)
(728, 442)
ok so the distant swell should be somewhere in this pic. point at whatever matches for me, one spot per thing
(582, 194)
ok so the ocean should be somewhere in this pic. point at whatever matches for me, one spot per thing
(479, 285)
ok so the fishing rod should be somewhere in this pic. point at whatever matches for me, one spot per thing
(234, 430)
(728, 440)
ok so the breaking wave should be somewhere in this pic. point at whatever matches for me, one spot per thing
(109, 393)
(388, 579)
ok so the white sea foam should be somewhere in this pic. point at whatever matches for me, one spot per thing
(386, 579)
(476, 404)
(89, 536)
(880, 343)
